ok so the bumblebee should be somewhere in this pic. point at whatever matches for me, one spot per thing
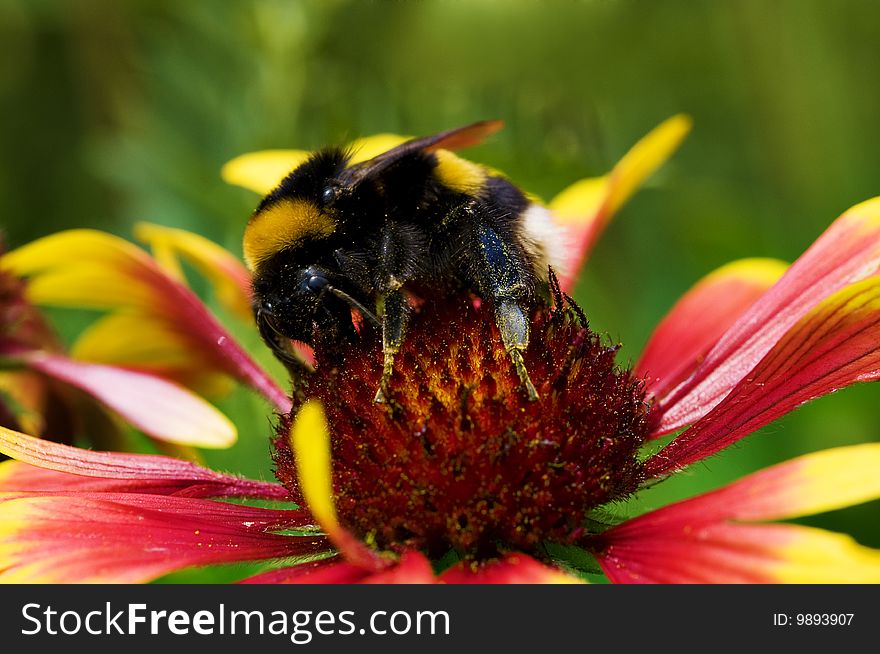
(417, 219)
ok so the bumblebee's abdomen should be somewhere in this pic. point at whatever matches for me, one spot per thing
(459, 175)
(544, 240)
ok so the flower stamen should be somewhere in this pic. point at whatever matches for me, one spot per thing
(459, 458)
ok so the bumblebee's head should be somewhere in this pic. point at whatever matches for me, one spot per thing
(285, 248)
(290, 299)
(297, 212)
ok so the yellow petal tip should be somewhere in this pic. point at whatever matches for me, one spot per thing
(310, 442)
(261, 171)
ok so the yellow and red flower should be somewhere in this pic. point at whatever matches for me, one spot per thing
(459, 478)
(154, 323)
(86, 516)
(38, 375)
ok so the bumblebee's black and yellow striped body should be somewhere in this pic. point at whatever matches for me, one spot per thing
(416, 219)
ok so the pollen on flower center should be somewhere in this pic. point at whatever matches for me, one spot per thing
(460, 458)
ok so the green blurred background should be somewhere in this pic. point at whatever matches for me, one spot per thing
(114, 112)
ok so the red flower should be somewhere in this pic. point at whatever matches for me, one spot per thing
(460, 478)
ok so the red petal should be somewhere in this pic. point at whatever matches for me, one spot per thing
(130, 537)
(157, 407)
(111, 471)
(813, 483)
(700, 318)
(740, 553)
(835, 345)
(325, 571)
(512, 569)
(413, 568)
(711, 554)
(705, 538)
(847, 252)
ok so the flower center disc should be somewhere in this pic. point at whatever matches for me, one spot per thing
(459, 457)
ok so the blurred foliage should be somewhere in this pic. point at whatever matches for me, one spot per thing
(120, 111)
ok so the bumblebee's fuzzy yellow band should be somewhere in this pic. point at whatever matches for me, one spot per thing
(281, 225)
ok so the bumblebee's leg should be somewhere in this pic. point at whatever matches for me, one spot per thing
(514, 327)
(399, 251)
(502, 276)
(393, 325)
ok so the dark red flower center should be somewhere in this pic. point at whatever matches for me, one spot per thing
(460, 458)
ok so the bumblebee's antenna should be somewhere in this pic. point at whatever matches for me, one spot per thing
(345, 297)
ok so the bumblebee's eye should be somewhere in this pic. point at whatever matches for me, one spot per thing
(316, 283)
(328, 195)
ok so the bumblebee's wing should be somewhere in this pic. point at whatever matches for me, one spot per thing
(453, 139)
